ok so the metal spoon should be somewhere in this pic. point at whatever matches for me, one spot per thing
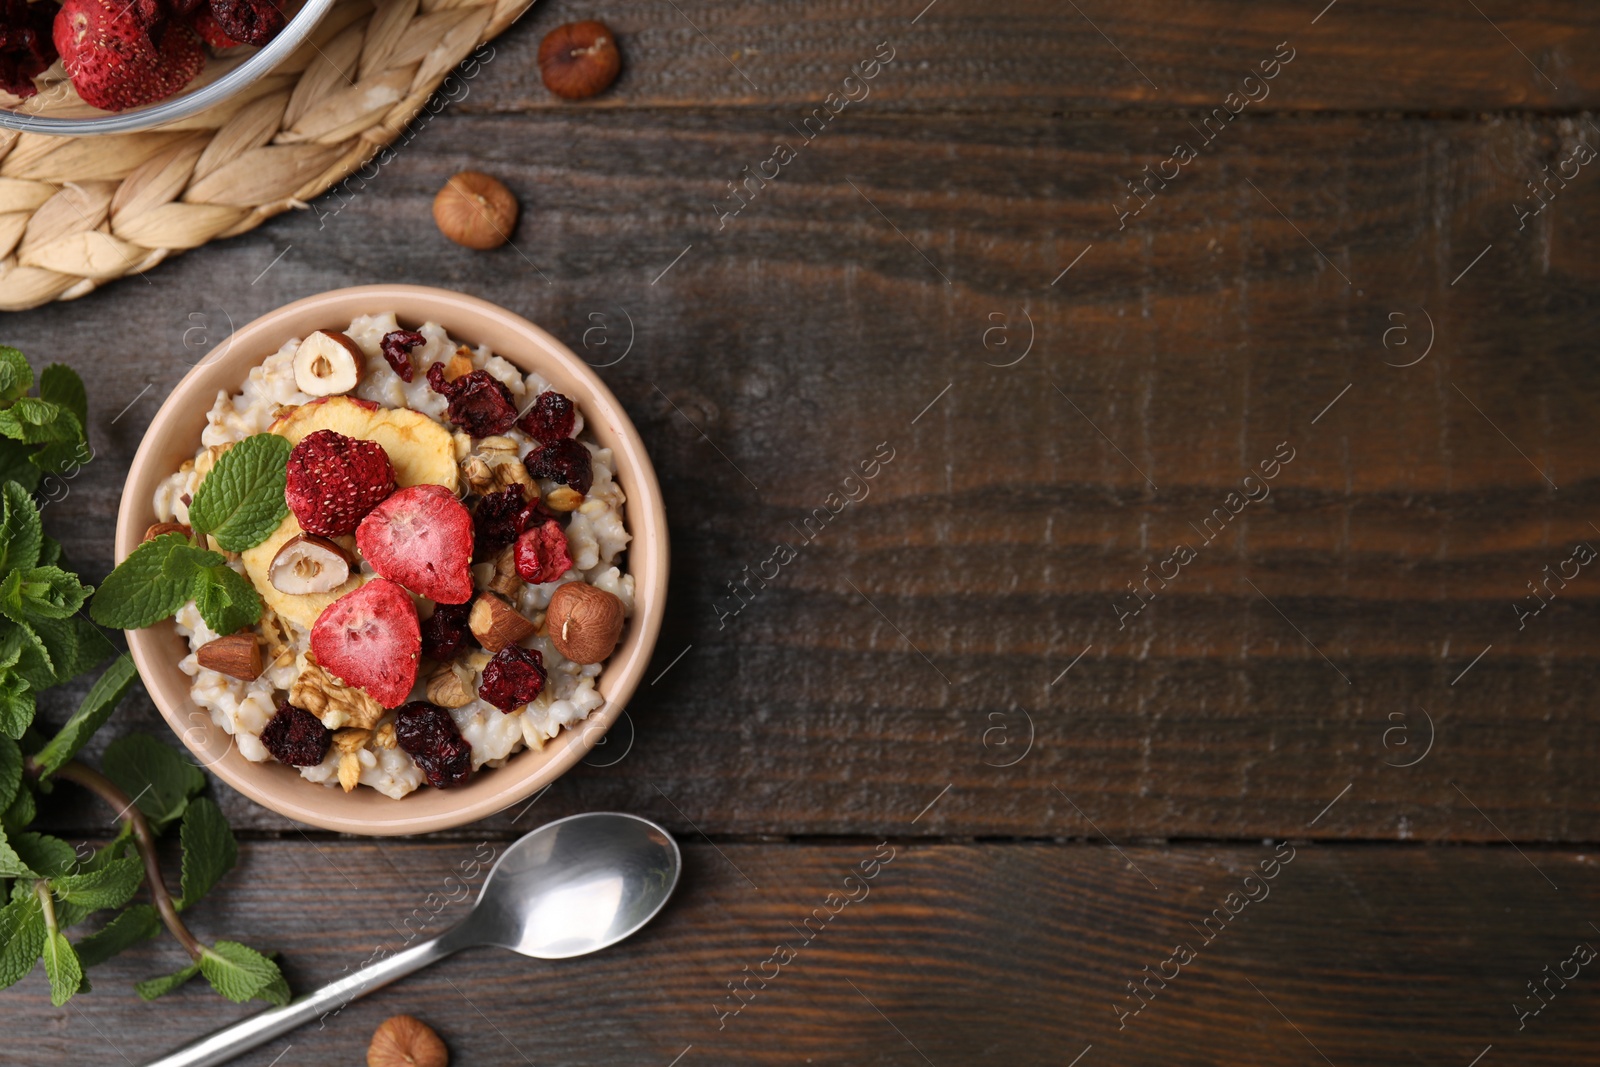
(571, 887)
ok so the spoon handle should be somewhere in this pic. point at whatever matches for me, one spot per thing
(223, 1045)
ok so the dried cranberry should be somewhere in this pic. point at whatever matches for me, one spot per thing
(498, 520)
(551, 418)
(513, 677)
(249, 21)
(428, 734)
(295, 736)
(479, 402)
(27, 44)
(566, 461)
(444, 632)
(542, 554)
(397, 346)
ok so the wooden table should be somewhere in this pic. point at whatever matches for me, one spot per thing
(1072, 776)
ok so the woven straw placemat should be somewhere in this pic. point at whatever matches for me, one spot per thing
(76, 212)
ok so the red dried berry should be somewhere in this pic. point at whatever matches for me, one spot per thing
(551, 418)
(445, 631)
(513, 677)
(205, 24)
(428, 734)
(542, 554)
(249, 21)
(27, 45)
(566, 461)
(335, 480)
(396, 346)
(295, 736)
(479, 402)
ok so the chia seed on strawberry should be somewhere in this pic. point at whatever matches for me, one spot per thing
(335, 480)
(295, 736)
(513, 677)
(428, 734)
(479, 402)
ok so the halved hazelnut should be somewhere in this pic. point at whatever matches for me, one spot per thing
(327, 364)
(309, 564)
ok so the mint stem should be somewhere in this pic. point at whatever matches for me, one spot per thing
(108, 791)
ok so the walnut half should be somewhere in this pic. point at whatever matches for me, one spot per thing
(327, 698)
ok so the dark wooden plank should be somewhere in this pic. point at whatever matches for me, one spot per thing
(996, 546)
(1014, 953)
(1417, 56)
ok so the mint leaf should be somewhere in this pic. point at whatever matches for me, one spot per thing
(17, 705)
(62, 458)
(43, 855)
(241, 501)
(18, 815)
(61, 964)
(148, 586)
(159, 779)
(21, 534)
(60, 384)
(152, 988)
(209, 851)
(110, 886)
(35, 422)
(15, 465)
(49, 552)
(92, 713)
(10, 771)
(41, 593)
(16, 377)
(49, 651)
(226, 599)
(13, 865)
(138, 923)
(22, 933)
(93, 645)
(239, 973)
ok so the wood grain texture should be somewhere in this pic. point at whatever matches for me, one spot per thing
(1416, 56)
(1013, 953)
(998, 544)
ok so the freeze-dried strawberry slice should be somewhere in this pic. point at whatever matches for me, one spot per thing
(513, 677)
(542, 554)
(370, 638)
(479, 402)
(551, 418)
(428, 734)
(335, 480)
(421, 537)
(295, 736)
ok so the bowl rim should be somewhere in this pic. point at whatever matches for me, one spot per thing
(255, 67)
(466, 318)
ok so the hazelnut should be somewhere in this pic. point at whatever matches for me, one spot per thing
(579, 59)
(327, 364)
(308, 563)
(563, 498)
(585, 623)
(475, 210)
(406, 1041)
(237, 656)
(168, 527)
(496, 624)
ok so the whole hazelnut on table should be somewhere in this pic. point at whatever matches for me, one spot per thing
(406, 1041)
(475, 210)
(579, 60)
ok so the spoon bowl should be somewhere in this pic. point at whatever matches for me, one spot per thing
(568, 888)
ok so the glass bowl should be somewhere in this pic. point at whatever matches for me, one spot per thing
(56, 110)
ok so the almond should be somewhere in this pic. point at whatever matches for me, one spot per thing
(167, 527)
(585, 623)
(237, 656)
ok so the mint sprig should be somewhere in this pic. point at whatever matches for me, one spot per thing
(47, 888)
(241, 501)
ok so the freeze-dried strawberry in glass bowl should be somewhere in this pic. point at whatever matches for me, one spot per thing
(108, 66)
(405, 669)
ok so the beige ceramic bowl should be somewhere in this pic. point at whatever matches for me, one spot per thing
(174, 436)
